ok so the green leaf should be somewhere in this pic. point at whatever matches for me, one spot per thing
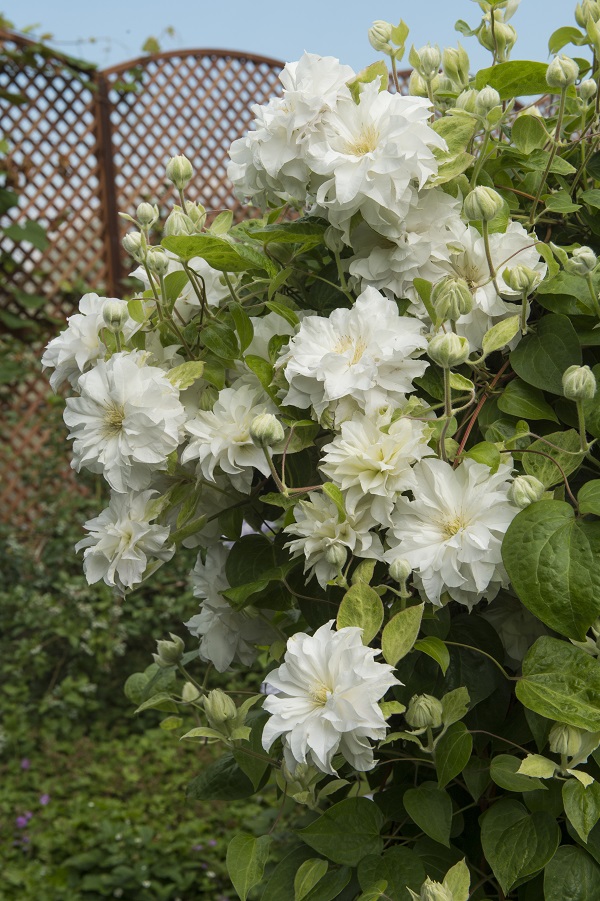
(560, 202)
(457, 132)
(309, 873)
(436, 649)
(378, 70)
(541, 358)
(221, 340)
(334, 494)
(582, 806)
(399, 867)
(135, 308)
(591, 197)
(290, 316)
(300, 232)
(361, 606)
(346, 832)
(537, 766)
(529, 133)
(246, 860)
(281, 882)
(330, 886)
(262, 369)
(400, 634)
(221, 223)
(516, 78)
(504, 770)
(561, 682)
(423, 289)
(430, 808)
(568, 34)
(32, 233)
(243, 325)
(525, 402)
(571, 875)
(553, 561)
(175, 282)
(569, 458)
(222, 780)
(588, 498)
(455, 705)
(452, 753)
(565, 293)
(218, 252)
(477, 777)
(517, 844)
(487, 453)
(500, 335)
(458, 382)
(186, 374)
(249, 755)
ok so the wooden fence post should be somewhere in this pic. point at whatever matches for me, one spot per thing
(111, 229)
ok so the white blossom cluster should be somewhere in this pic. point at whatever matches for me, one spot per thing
(180, 447)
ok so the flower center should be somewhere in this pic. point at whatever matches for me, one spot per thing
(346, 343)
(365, 142)
(113, 420)
(319, 693)
(452, 526)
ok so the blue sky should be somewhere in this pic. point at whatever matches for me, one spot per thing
(278, 28)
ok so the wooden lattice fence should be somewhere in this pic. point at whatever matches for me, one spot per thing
(83, 145)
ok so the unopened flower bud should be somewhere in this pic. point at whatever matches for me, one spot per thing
(482, 203)
(333, 239)
(564, 739)
(115, 315)
(467, 100)
(583, 260)
(179, 224)
(525, 490)
(424, 711)
(429, 60)
(455, 63)
(134, 243)
(169, 653)
(579, 383)
(179, 171)
(587, 89)
(452, 298)
(196, 213)
(500, 40)
(147, 214)
(219, 708)
(562, 72)
(336, 555)
(157, 261)
(435, 891)
(266, 430)
(417, 86)
(588, 10)
(487, 99)
(400, 570)
(448, 350)
(189, 692)
(380, 34)
(521, 278)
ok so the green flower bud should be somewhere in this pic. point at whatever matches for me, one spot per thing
(521, 278)
(429, 60)
(487, 99)
(147, 214)
(157, 261)
(583, 260)
(455, 63)
(588, 10)
(400, 570)
(219, 708)
(179, 224)
(500, 41)
(135, 245)
(587, 89)
(169, 652)
(336, 555)
(189, 692)
(467, 101)
(333, 239)
(525, 490)
(179, 171)
(565, 739)
(195, 212)
(434, 891)
(417, 86)
(562, 72)
(579, 383)
(424, 711)
(266, 430)
(115, 315)
(452, 298)
(482, 203)
(448, 350)
(380, 35)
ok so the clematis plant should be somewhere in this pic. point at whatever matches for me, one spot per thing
(371, 407)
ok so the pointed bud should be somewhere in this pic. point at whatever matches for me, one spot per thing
(467, 100)
(333, 239)
(147, 214)
(583, 260)
(565, 739)
(266, 430)
(380, 35)
(400, 570)
(482, 203)
(417, 86)
(179, 224)
(179, 171)
(562, 72)
(579, 383)
(521, 278)
(219, 708)
(134, 243)
(587, 89)
(487, 100)
(455, 63)
(526, 490)
(196, 213)
(448, 350)
(424, 711)
(189, 692)
(435, 891)
(115, 314)
(588, 10)
(157, 261)
(336, 555)
(169, 653)
(429, 60)
(500, 40)
(452, 298)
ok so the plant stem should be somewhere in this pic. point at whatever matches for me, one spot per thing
(447, 414)
(554, 148)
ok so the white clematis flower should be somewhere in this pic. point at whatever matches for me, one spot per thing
(126, 422)
(328, 688)
(451, 533)
(365, 354)
(225, 634)
(122, 540)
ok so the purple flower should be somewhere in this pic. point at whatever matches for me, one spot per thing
(44, 799)
(25, 763)
(21, 821)
(212, 842)
(197, 847)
